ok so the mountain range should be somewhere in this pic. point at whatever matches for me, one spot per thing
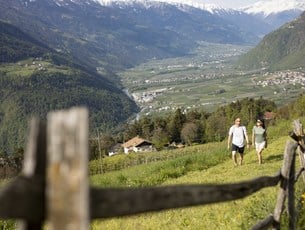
(113, 35)
(61, 53)
(276, 12)
(119, 35)
(273, 12)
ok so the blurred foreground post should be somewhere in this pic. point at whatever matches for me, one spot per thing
(34, 166)
(67, 170)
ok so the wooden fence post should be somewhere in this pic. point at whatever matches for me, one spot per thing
(291, 195)
(298, 135)
(67, 170)
(34, 165)
(285, 172)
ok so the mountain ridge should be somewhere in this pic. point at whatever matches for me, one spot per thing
(282, 49)
(274, 6)
(119, 37)
(274, 12)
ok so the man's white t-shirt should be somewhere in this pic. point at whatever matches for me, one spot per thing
(239, 133)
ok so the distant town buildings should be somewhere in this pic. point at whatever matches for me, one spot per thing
(282, 78)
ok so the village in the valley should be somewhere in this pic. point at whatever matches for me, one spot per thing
(281, 78)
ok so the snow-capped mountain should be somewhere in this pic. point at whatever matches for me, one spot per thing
(276, 12)
(193, 3)
(274, 7)
(270, 14)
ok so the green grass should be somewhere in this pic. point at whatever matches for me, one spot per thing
(161, 167)
(27, 67)
(238, 214)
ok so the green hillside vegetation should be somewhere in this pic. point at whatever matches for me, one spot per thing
(187, 127)
(205, 164)
(281, 49)
(197, 126)
(13, 49)
(35, 80)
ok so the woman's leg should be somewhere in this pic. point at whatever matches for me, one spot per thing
(259, 155)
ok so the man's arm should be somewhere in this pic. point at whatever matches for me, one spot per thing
(229, 139)
(246, 136)
(253, 137)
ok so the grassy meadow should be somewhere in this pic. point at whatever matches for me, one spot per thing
(209, 166)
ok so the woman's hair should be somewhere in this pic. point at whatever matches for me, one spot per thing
(262, 122)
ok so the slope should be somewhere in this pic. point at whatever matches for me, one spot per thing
(42, 80)
(238, 214)
(281, 49)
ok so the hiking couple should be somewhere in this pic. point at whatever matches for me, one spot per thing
(238, 140)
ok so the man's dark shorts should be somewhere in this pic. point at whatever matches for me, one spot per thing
(238, 149)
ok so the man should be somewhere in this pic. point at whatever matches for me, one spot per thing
(238, 136)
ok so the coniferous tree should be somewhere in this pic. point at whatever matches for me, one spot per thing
(146, 127)
(175, 125)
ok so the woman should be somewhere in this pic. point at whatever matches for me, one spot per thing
(259, 137)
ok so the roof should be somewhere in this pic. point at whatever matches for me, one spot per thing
(136, 141)
(115, 147)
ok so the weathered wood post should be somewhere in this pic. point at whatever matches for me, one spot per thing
(34, 166)
(291, 195)
(67, 170)
(289, 156)
(298, 135)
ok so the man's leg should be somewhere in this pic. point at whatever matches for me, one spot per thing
(241, 154)
(234, 157)
(241, 158)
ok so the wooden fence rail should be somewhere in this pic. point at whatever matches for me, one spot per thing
(53, 187)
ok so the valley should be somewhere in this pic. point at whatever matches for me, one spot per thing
(206, 79)
(58, 54)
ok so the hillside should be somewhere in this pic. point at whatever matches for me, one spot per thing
(281, 49)
(14, 49)
(35, 79)
(196, 167)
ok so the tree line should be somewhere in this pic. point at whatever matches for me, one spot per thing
(195, 126)
(189, 126)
